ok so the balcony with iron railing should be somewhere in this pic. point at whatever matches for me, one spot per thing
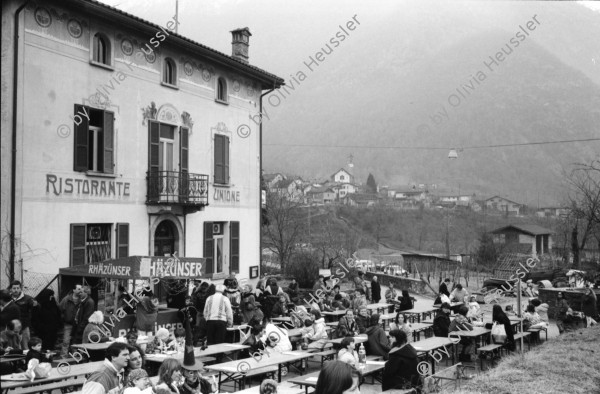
(177, 188)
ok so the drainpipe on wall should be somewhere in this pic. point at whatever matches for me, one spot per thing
(13, 166)
(260, 177)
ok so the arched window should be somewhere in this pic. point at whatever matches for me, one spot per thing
(222, 90)
(170, 72)
(101, 49)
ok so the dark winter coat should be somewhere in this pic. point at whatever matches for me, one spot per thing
(589, 306)
(444, 289)
(68, 309)
(378, 343)
(346, 328)
(362, 322)
(10, 312)
(25, 304)
(401, 369)
(375, 291)
(46, 319)
(85, 310)
(441, 324)
(146, 315)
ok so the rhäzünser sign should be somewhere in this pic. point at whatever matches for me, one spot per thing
(169, 267)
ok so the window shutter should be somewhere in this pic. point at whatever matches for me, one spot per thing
(226, 160)
(234, 246)
(184, 191)
(184, 133)
(122, 240)
(219, 159)
(153, 146)
(80, 125)
(78, 249)
(208, 247)
(109, 143)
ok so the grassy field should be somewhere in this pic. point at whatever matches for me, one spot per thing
(566, 364)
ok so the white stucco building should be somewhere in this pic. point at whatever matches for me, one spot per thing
(129, 139)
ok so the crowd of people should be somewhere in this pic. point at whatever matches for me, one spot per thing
(34, 325)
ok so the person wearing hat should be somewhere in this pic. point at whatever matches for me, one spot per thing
(441, 323)
(193, 382)
(218, 315)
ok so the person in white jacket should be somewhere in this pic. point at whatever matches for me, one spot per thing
(347, 354)
(318, 338)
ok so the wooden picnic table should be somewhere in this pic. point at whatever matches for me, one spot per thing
(12, 357)
(311, 379)
(64, 371)
(478, 333)
(283, 388)
(237, 369)
(333, 315)
(422, 310)
(361, 338)
(429, 345)
(211, 350)
(377, 307)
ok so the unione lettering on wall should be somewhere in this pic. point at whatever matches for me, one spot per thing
(226, 195)
(92, 187)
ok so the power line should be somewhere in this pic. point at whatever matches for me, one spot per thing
(435, 147)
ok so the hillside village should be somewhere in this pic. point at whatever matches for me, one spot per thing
(343, 188)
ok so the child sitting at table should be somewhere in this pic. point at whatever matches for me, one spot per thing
(159, 342)
(35, 351)
(138, 382)
(178, 344)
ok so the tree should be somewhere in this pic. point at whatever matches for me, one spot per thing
(584, 201)
(371, 185)
(285, 223)
(487, 253)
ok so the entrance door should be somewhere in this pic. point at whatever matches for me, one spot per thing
(164, 239)
(166, 160)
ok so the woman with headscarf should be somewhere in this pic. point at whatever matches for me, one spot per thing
(499, 317)
(45, 319)
(145, 316)
(406, 301)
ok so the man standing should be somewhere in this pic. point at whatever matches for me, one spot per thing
(10, 310)
(84, 311)
(108, 380)
(375, 290)
(444, 287)
(218, 315)
(68, 310)
(25, 304)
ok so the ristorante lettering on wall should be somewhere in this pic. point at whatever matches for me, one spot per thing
(91, 187)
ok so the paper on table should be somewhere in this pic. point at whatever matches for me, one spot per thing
(233, 345)
(312, 379)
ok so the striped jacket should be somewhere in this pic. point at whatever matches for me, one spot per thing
(218, 307)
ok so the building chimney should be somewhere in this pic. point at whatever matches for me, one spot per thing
(240, 41)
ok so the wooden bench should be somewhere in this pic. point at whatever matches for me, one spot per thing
(525, 336)
(536, 330)
(52, 386)
(455, 373)
(328, 354)
(489, 349)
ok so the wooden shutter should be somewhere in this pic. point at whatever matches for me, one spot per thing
(209, 245)
(109, 143)
(184, 149)
(122, 240)
(78, 249)
(234, 247)
(226, 160)
(219, 159)
(184, 183)
(153, 146)
(80, 151)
